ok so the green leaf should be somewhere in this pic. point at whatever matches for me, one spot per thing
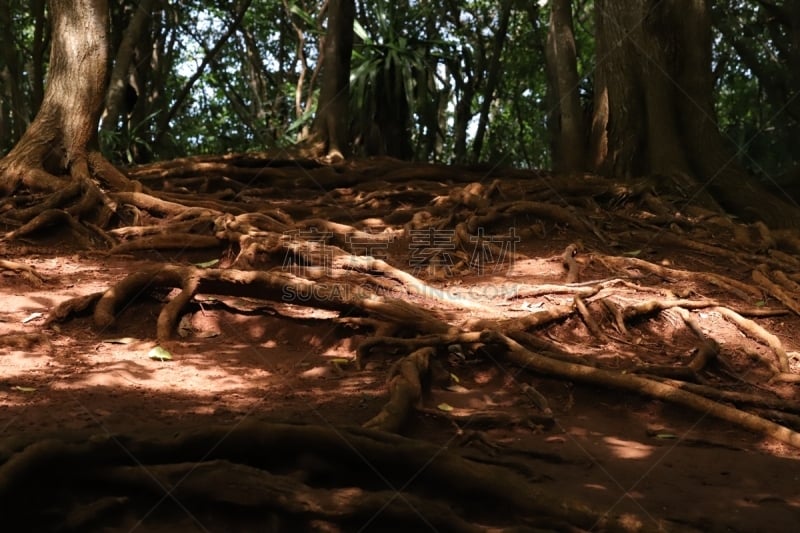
(159, 354)
(632, 253)
(445, 407)
(23, 389)
(304, 15)
(359, 30)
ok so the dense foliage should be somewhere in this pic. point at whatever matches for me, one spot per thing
(204, 81)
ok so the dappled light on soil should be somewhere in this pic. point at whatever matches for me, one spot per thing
(460, 266)
(628, 449)
(568, 379)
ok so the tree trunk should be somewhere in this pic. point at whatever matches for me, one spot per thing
(653, 105)
(120, 84)
(492, 79)
(256, 73)
(40, 37)
(331, 124)
(466, 73)
(65, 128)
(392, 114)
(618, 124)
(12, 80)
(569, 141)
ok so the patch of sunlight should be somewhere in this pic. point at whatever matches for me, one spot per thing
(347, 494)
(339, 352)
(628, 449)
(20, 362)
(178, 375)
(327, 371)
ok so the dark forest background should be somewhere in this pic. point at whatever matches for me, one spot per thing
(453, 82)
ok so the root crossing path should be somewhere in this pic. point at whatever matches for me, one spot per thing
(381, 345)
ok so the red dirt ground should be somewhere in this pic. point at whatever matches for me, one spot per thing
(617, 451)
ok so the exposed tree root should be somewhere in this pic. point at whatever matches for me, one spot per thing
(760, 276)
(327, 252)
(27, 271)
(622, 264)
(182, 241)
(405, 390)
(757, 332)
(263, 285)
(583, 373)
(23, 167)
(706, 351)
(570, 264)
(73, 307)
(654, 389)
(53, 217)
(248, 462)
(221, 482)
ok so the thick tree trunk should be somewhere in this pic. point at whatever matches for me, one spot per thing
(619, 108)
(332, 121)
(714, 161)
(65, 128)
(653, 105)
(569, 142)
(393, 116)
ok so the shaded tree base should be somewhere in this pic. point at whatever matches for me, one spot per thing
(289, 475)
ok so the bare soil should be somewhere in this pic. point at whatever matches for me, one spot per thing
(237, 360)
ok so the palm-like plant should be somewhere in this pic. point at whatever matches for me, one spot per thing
(391, 73)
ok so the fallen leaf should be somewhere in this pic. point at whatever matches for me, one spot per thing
(32, 316)
(159, 354)
(121, 340)
(207, 264)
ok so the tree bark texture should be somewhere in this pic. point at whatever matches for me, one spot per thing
(332, 121)
(66, 125)
(654, 110)
(569, 142)
(120, 82)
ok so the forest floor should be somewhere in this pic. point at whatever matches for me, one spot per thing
(236, 361)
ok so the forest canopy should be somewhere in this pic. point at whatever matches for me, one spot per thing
(467, 81)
